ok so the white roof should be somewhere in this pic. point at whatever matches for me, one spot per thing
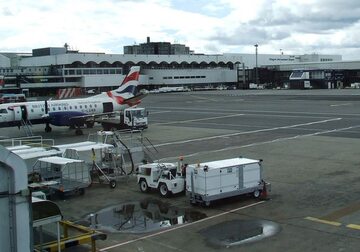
(63, 147)
(60, 160)
(96, 146)
(158, 165)
(39, 154)
(105, 133)
(29, 150)
(19, 147)
(228, 163)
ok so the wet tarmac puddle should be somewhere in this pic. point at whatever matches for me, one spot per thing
(140, 217)
(237, 232)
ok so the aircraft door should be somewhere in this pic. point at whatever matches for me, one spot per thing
(20, 113)
(17, 113)
(24, 114)
(128, 118)
(108, 107)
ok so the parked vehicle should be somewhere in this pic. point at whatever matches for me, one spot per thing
(130, 118)
(10, 98)
(220, 179)
(164, 177)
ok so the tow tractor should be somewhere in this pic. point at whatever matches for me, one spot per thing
(130, 118)
(165, 177)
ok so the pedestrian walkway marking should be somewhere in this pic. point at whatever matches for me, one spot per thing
(334, 223)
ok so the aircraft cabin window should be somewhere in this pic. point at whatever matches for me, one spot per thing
(80, 106)
(59, 108)
(41, 110)
(75, 107)
(95, 105)
(53, 108)
(85, 106)
(64, 108)
(32, 110)
(90, 106)
(70, 107)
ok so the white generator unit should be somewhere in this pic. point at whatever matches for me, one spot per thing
(220, 179)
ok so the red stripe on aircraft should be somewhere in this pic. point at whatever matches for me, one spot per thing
(131, 77)
(118, 99)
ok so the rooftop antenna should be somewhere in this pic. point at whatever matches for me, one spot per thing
(66, 45)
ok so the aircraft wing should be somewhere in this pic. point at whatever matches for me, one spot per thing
(83, 119)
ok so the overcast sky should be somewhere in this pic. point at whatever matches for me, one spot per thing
(206, 26)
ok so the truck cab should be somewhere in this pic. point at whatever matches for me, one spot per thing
(135, 117)
(164, 177)
(129, 118)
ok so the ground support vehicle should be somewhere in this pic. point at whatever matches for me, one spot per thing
(130, 118)
(220, 179)
(164, 177)
(62, 176)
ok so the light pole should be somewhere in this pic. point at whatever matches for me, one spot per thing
(256, 64)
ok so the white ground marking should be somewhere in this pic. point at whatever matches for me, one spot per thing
(338, 105)
(200, 119)
(179, 227)
(247, 132)
(264, 142)
(256, 111)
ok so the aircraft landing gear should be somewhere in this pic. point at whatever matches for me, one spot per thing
(78, 132)
(89, 124)
(48, 128)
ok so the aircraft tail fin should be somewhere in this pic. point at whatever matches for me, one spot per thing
(127, 88)
(130, 82)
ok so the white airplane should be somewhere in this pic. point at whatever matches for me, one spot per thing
(73, 112)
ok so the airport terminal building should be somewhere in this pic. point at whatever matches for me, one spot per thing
(45, 70)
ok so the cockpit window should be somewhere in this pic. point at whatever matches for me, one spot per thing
(3, 111)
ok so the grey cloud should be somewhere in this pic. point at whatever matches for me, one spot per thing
(247, 34)
(6, 12)
(321, 17)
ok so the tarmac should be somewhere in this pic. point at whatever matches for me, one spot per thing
(309, 141)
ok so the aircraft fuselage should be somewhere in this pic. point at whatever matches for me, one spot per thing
(55, 112)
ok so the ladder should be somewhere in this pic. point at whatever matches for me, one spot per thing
(26, 125)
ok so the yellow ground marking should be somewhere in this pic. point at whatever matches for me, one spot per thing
(353, 226)
(334, 223)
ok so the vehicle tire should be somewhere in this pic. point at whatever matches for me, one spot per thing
(112, 184)
(89, 125)
(48, 129)
(164, 191)
(78, 132)
(256, 194)
(82, 191)
(192, 202)
(143, 186)
(34, 177)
